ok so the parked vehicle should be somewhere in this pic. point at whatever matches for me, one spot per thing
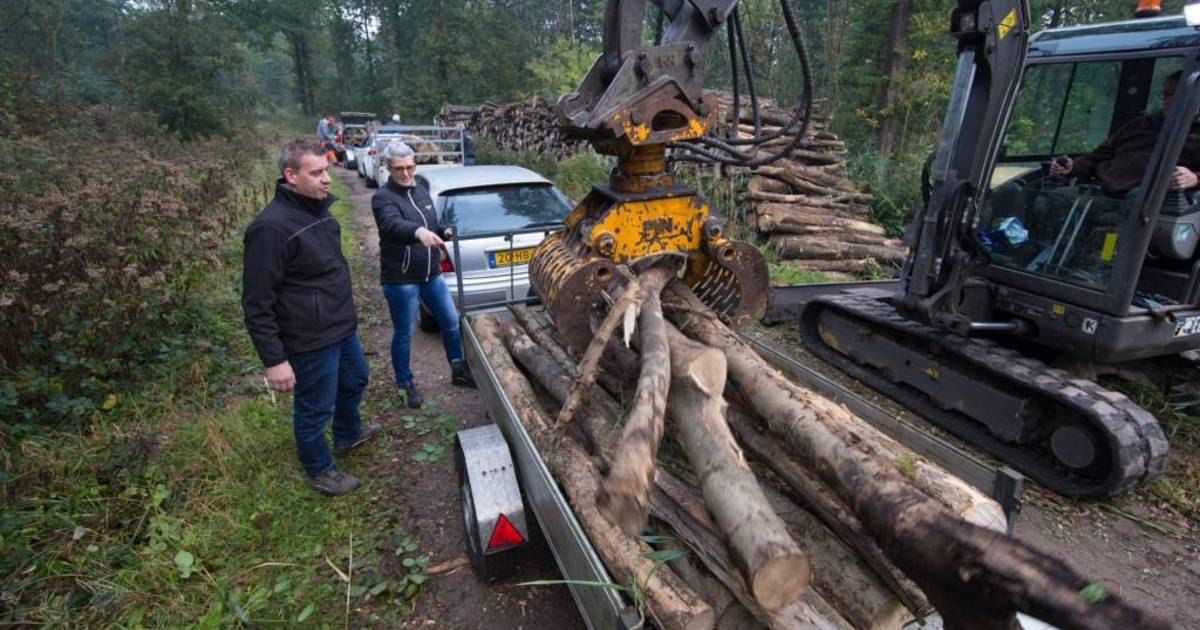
(481, 200)
(435, 147)
(356, 132)
(368, 161)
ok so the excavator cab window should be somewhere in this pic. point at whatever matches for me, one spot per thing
(1100, 117)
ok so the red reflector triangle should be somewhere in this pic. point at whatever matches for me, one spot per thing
(504, 534)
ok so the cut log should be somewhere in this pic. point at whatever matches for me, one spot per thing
(773, 565)
(853, 590)
(671, 603)
(677, 504)
(829, 509)
(863, 265)
(802, 184)
(598, 420)
(800, 247)
(625, 492)
(628, 303)
(975, 577)
(778, 218)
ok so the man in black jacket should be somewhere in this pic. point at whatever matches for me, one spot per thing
(300, 314)
(410, 253)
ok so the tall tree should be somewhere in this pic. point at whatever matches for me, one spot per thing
(894, 57)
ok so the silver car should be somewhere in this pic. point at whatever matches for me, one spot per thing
(482, 199)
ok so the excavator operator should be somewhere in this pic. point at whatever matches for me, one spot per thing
(1120, 161)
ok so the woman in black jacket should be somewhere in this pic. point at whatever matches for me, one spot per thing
(410, 252)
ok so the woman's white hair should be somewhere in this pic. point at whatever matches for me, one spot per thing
(396, 149)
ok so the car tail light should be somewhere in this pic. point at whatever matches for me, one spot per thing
(370, 151)
(504, 535)
(447, 265)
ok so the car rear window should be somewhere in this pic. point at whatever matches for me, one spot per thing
(500, 208)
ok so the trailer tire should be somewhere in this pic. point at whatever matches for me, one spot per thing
(489, 567)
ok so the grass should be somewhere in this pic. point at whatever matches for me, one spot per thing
(182, 505)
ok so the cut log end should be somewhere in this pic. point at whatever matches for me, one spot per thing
(780, 581)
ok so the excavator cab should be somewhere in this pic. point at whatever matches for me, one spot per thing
(1116, 242)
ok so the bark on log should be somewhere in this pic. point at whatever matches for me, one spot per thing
(831, 204)
(777, 218)
(975, 577)
(800, 247)
(632, 298)
(838, 266)
(852, 589)
(773, 565)
(598, 420)
(677, 504)
(802, 184)
(829, 509)
(625, 492)
(671, 603)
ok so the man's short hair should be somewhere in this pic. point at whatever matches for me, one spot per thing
(396, 149)
(291, 153)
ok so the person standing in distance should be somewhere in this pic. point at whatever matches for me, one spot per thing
(299, 309)
(410, 251)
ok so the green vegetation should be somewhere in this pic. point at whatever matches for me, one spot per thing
(175, 500)
(574, 176)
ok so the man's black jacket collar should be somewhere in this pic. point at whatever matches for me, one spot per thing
(301, 202)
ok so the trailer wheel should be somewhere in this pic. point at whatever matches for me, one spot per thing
(489, 567)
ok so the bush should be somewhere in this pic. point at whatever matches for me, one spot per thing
(574, 176)
(111, 229)
(895, 184)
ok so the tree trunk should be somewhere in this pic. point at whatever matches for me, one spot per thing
(625, 492)
(975, 577)
(894, 58)
(773, 565)
(672, 604)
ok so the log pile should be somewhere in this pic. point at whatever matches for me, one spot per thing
(794, 512)
(805, 204)
(528, 125)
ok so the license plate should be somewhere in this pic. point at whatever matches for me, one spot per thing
(1187, 326)
(509, 257)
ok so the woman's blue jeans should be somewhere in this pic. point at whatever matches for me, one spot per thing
(329, 383)
(402, 303)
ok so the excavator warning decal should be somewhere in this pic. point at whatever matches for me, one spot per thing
(1007, 23)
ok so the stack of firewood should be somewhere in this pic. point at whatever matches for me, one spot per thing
(793, 512)
(805, 204)
(528, 125)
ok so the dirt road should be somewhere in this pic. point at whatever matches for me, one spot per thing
(428, 491)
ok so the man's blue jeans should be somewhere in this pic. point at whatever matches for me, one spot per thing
(329, 383)
(402, 303)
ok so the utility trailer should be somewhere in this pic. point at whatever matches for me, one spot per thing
(503, 477)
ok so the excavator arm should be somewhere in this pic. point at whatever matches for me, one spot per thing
(992, 40)
(633, 102)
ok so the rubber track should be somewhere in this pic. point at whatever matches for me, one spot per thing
(1141, 447)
